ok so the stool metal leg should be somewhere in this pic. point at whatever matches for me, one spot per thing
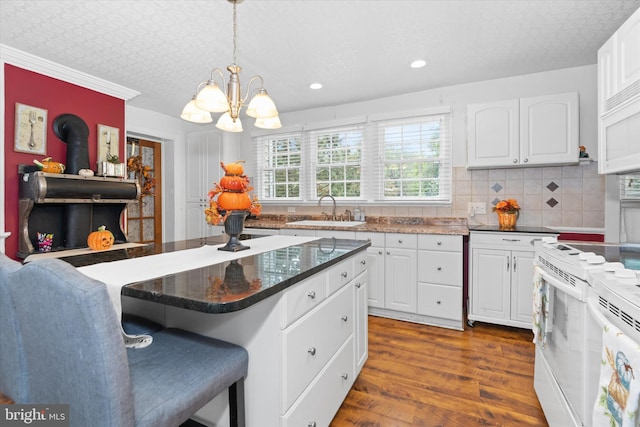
(236, 404)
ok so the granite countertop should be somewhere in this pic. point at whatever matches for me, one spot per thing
(232, 285)
(454, 226)
(516, 229)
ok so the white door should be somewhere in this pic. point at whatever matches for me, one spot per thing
(492, 134)
(401, 280)
(549, 128)
(490, 283)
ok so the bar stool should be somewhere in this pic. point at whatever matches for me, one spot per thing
(75, 354)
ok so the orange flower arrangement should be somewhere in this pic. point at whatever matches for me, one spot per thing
(507, 206)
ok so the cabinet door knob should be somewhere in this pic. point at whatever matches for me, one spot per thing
(526, 160)
(515, 160)
(344, 274)
(388, 252)
(438, 302)
(439, 268)
(363, 262)
(439, 243)
(399, 240)
(379, 252)
(358, 285)
(312, 294)
(312, 351)
(345, 376)
(345, 318)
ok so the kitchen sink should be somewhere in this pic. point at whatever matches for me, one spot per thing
(321, 223)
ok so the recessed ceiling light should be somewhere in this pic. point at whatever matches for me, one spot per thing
(315, 85)
(418, 63)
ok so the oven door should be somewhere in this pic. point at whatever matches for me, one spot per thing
(559, 376)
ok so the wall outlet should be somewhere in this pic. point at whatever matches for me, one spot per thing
(291, 209)
(477, 208)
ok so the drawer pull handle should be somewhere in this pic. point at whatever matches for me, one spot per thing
(388, 252)
(344, 274)
(379, 252)
(345, 376)
(438, 302)
(399, 240)
(345, 318)
(311, 424)
(358, 285)
(312, 294)
(312, 351)
(439, 268)
(363, 262)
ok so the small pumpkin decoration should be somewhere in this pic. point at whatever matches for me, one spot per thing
(233, 168)
(100, 240)
(234, 182)
(49, 166)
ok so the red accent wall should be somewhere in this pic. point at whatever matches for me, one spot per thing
(57, 97)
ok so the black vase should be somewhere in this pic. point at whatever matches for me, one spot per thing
(233, 226)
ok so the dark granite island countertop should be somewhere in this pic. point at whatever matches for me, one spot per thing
(232, 285)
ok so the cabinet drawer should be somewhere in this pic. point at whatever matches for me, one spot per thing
(297, 232)
(320, 402)
(376, 239)
(359, 263)
(302, 298)
(444, 268)
(440, 242)
(401, 241)
(507, 239)
(440, 301)
(309, 343)
(339, 275)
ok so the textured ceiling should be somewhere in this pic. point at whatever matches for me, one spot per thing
(358, 50)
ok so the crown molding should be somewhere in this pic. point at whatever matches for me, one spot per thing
(39, 65)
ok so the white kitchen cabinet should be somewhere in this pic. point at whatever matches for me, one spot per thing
(501, 279)
(361, 321)
(203, 171)
(440, 279)
(375, 266)
(297, 232)
(619, 99)
(532, 131)
(400, 272)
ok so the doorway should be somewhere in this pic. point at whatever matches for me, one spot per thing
(144, 218)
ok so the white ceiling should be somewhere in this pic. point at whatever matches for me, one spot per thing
(357, 49)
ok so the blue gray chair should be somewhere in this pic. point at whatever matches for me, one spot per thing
(74, 354)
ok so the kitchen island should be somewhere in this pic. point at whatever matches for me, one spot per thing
(300, 311)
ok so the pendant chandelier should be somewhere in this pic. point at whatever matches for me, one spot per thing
(210, 98)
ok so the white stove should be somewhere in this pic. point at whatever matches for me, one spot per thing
(589, 285)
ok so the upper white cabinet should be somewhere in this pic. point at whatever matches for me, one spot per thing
(619, 99)
(534, 131)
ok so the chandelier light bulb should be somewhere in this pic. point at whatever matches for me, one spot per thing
(268, 123)
(211, 98)
(227, 124)
(262, 106)
(192, 113)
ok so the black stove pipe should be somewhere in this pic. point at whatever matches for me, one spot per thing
(75, 133)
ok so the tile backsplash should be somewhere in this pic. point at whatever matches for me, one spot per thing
(554, 196)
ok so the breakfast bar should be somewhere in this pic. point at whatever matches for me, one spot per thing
(299, 309)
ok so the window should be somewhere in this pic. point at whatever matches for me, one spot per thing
(281, 165)
(338, 156)
(414, 159)
(399, 159)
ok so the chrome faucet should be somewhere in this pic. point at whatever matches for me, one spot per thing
(333, 214)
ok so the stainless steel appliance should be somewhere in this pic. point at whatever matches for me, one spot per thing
(590, 285)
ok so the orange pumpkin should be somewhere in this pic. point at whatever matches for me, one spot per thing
(233, 168)
(234, 182)
(49, 166)
(234, 201)
(100, 240)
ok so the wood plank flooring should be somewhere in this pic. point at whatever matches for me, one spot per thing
(419, 375)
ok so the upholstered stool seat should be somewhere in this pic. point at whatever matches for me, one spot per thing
(74, 353)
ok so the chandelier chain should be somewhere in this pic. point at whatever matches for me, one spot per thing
(235, 32)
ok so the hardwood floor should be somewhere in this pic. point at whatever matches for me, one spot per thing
(419, 375)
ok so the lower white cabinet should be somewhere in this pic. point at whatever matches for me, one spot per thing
(501, 280)
(416, 277)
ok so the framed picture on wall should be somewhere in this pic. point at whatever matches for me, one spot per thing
(31, 129)
(108, 144)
